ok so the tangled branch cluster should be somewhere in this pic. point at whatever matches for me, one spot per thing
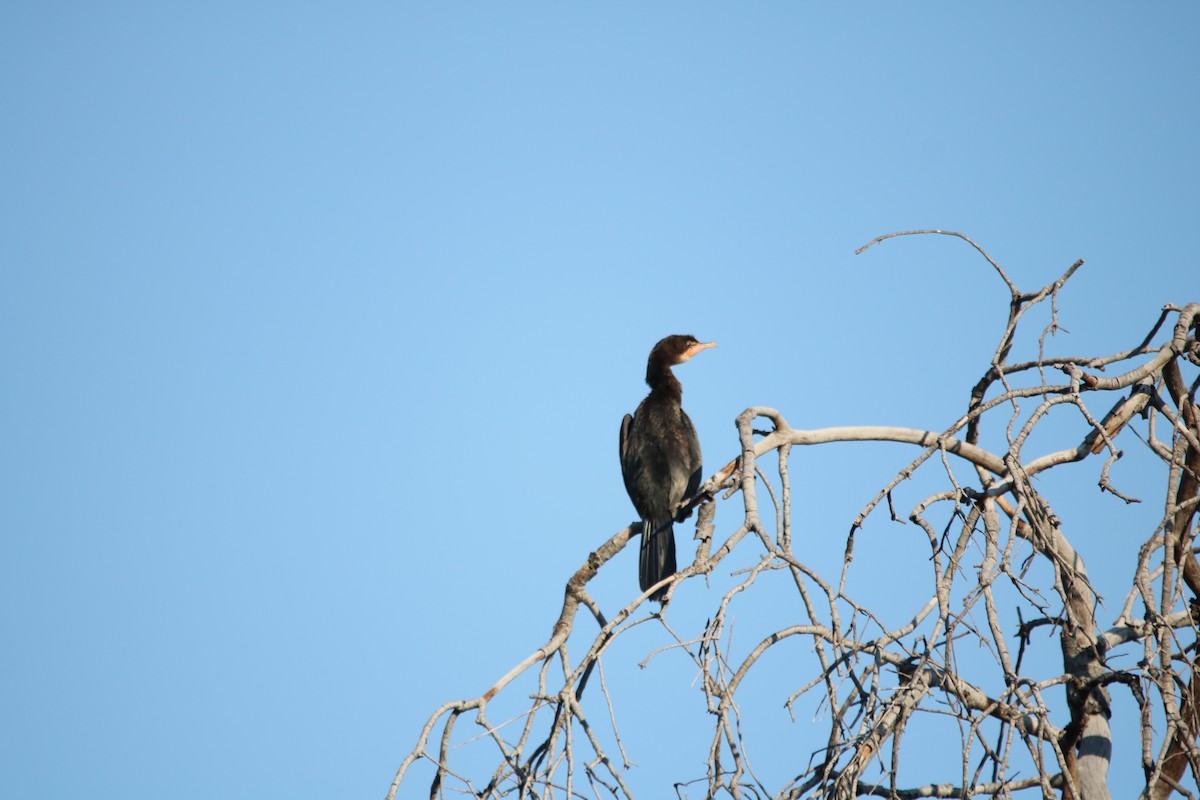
(997, 549)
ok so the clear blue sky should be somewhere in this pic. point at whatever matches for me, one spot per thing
(317, 322)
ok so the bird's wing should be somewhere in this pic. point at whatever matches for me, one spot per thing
(626, 424)
(695, 465)
(628, 460)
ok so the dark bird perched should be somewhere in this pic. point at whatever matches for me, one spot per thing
(660, 458)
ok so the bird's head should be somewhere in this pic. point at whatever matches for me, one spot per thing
(678, 348)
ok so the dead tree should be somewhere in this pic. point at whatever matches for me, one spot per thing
(1003, 580)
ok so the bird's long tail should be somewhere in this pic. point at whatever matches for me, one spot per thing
(657, 558)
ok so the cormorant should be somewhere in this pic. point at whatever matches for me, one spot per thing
(660, 458)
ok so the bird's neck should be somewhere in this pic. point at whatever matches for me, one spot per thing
(663, 382)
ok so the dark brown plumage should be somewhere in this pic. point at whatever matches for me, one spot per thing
(660, 458)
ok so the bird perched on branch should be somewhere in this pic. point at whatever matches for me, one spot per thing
(660, 459)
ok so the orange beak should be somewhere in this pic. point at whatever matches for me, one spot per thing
(696, 348)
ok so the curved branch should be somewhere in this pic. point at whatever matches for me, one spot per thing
(878, 433)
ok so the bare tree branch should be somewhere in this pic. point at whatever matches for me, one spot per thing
(961, 666)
